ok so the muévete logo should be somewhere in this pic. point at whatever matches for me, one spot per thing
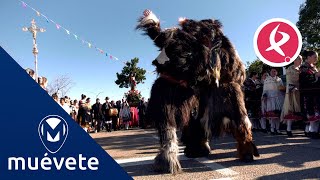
(53, 131)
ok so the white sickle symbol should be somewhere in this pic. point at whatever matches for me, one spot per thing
(276, 46)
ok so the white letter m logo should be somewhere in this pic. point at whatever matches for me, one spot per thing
(53, 131)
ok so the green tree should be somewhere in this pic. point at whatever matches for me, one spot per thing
(309, 24)
(259, 67)
(255, 66)
(123, 78)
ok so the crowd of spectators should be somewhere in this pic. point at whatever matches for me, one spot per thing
(271, 101)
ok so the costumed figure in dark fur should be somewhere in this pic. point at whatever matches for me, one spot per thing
(198, 90)
(221, 101)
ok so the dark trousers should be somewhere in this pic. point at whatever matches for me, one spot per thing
(114, 122)
(142, 120)
(107, 119)
(97, 124)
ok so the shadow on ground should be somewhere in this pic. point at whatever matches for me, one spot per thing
(291, 153)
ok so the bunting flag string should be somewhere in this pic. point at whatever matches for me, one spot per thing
(45, 18)
(24, 5)
(60, 27)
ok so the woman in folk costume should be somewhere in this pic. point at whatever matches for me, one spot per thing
(309, 86)
(125, 115)
(134, 121)
(82, 111)
(291, 107)
(272, 100)
(88, 119)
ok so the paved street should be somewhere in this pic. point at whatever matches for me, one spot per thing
(280, 157)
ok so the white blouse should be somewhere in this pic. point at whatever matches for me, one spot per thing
(272, 83)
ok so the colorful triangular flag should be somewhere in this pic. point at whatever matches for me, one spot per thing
(24, 5)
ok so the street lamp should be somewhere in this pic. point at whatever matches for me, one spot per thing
(34, 29)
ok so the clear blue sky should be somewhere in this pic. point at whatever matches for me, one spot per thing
(110, 26)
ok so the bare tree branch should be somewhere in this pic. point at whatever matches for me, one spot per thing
(61, 85)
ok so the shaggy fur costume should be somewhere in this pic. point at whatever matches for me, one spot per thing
(199, 90)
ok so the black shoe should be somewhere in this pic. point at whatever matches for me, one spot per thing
(289, 133)
(278, 133)
(264, 131)
(272, 133)
(307, 134)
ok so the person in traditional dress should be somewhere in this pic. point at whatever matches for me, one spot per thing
(252, 100)
(105, 110)
(291, 110)
(64, 105)
(142, 108)
(134, 116)
(74, 109)
(125, 115)
(114, 116)
(88, 117)
(309, 86)
(82, 111)
(272, 100)
(55, 97)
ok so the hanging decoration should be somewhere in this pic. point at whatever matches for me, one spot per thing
(58, 27)
(24, 5)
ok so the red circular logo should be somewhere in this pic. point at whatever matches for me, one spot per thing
(277, 42)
